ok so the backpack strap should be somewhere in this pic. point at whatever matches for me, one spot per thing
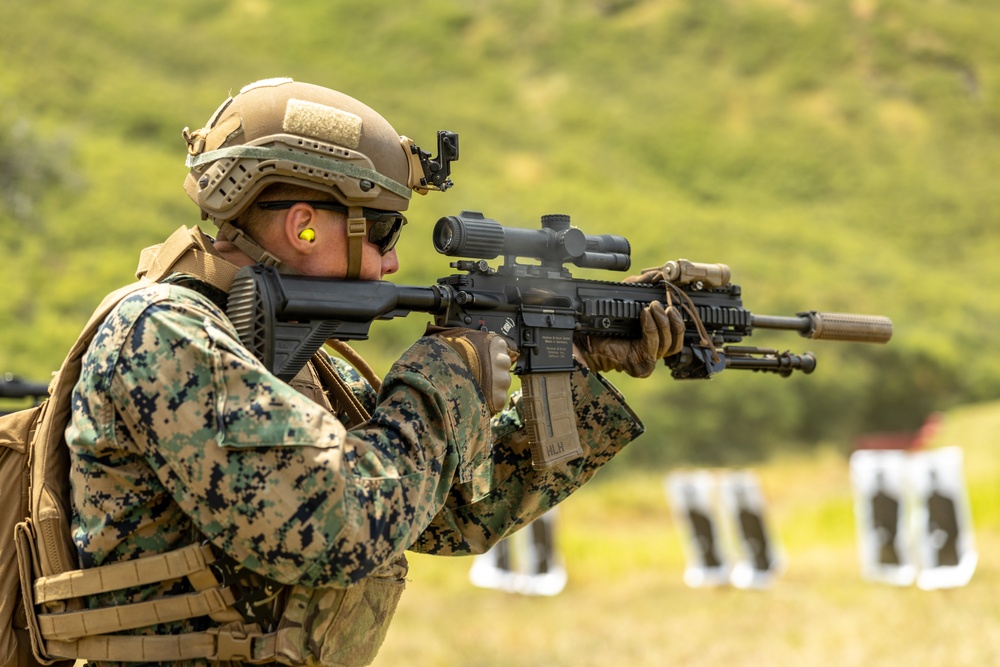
(47, 555)
(187, 251)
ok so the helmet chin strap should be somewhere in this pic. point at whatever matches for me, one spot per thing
(249, 247)
(357, 227)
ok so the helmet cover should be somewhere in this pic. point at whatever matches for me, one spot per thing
(284, 131)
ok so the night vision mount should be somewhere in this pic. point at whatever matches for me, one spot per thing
(437, 171)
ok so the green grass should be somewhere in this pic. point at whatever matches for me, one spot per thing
(626, 603)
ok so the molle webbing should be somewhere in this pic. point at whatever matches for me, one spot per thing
(85, 633)
(215, 645)
(91, 622)
(192, 562)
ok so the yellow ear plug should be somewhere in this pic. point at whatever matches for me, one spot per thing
(307, 234)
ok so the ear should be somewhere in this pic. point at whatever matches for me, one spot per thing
(299, 218)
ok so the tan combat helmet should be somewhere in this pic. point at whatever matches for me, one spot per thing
(284, 131)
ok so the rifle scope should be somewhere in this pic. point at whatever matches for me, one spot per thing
(470, 234)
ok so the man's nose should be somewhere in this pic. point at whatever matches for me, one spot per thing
(390, 262)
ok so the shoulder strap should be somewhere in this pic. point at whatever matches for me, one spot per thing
(187, 251)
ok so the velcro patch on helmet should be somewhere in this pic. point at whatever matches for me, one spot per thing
(322, 122)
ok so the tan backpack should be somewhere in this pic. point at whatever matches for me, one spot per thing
(16, 430)
(34, 437)
(42, 619)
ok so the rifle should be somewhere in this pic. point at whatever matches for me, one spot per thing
(284, 319)
(12, 386)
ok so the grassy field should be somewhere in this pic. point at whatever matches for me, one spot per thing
(626, 603)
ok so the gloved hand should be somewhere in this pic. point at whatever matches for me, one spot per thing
(662, 335)
(488, 355)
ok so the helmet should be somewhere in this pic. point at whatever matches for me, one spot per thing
(284, 131)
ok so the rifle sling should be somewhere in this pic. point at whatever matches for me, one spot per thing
(341, 395)
(355, 359)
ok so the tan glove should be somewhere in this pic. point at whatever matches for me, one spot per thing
(662, 335)
(488, 355)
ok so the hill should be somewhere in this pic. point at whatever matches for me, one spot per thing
(838, 156)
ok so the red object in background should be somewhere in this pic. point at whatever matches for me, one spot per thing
(907, 440)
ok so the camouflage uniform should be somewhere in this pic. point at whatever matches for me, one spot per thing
(179, 435)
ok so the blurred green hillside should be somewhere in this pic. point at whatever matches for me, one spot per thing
(837, 155)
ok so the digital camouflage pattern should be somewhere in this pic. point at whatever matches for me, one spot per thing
(179, 435)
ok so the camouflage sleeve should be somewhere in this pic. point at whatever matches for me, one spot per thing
(271, 477)
(506, 492)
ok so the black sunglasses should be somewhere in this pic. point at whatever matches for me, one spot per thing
(383, 233)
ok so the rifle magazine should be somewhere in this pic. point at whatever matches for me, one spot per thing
(550, 419)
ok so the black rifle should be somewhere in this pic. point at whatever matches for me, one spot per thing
(284, 319)
(12, 386)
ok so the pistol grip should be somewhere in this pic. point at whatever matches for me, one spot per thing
(550, 418)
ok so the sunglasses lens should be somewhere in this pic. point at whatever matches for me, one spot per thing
(384, 233)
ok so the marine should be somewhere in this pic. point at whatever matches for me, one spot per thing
(305, 495)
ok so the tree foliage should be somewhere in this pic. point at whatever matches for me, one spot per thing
(838, 156)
